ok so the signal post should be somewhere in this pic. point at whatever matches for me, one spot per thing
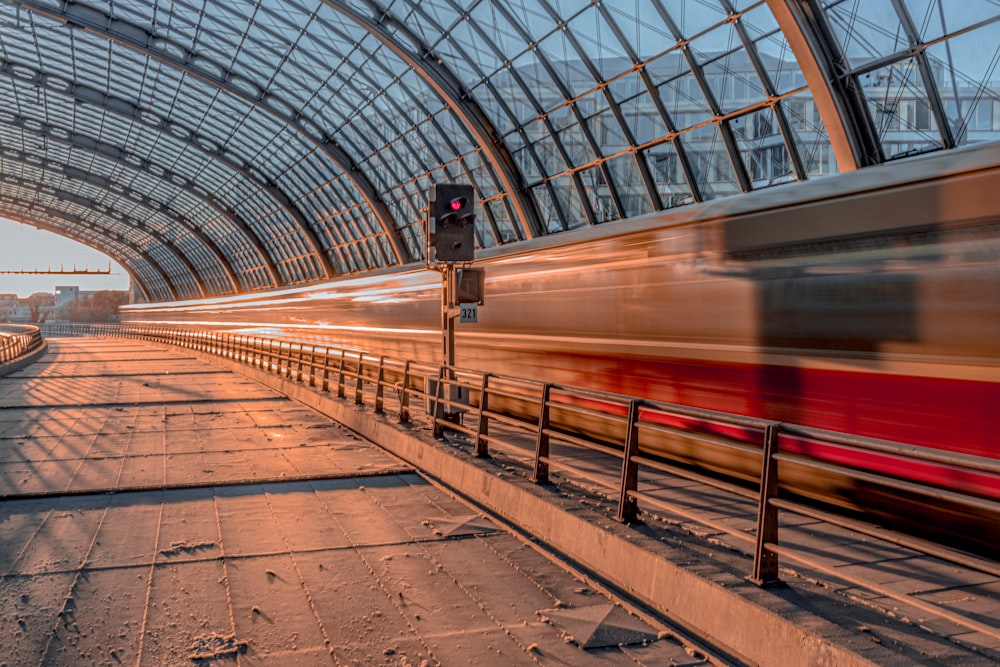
(451, 244)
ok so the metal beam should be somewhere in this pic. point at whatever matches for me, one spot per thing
(140, 40)
(138, 199)
(117, 154)
(839, 102)
(256, 242)
(90, 204)
(780, 115)
(937, 105)
(164, 210)
(123, 257)
(269, 188)
(80, 238)
(129, 221)
(426, 65)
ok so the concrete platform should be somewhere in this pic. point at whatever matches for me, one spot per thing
(158, 510)
(696, 576)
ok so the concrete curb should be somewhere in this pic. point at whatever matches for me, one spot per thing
(26, 360)
(758, 626)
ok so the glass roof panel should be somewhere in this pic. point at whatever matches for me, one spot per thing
(631, 187)
(531, 17)
(927, 69)
(642, 24)
(500, 29)
(765, 156)
(598, 43)
(897, 101)
(289, 131)
(712, 164)
(868, 30)
(935, 18)
(694, 18)
(971, 95)
(684, 101)
(666, 168)
(565, 64)
(642, 120)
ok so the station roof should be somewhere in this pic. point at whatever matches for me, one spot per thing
(216, 148)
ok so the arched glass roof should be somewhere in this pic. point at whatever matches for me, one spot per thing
(222, 147)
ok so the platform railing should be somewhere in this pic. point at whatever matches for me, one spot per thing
(17, 341)
(764, 460)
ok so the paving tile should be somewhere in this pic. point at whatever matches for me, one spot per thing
(202, 566)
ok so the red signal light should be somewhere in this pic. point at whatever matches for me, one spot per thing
(457, 204)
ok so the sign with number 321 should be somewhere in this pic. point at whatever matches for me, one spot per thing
(468, 313)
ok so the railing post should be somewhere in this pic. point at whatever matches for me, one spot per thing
(359, 387)
(325, 385)
(765, 561)
(483, 427)
(438, 412)
(340, 378)
(312, 365)
(379, 395)
(300, 364)
(540, 475)
(628, 504)
(404, 397)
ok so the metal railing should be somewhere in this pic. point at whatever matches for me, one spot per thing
(17, 341)
(762, 461)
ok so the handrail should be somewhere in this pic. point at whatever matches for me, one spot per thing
(17, 341)
(641, 433)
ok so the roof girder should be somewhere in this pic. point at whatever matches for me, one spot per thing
(81, 238)
(83, 19)
(134, 223)
(117, 154)
(134, 197)
(450, 89)
(42, 217)
(140, 40)
(141, 199)
(90, 204)
(837, 99)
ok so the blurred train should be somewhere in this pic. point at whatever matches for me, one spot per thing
(866, 303)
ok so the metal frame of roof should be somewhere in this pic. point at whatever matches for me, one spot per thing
(219, 148)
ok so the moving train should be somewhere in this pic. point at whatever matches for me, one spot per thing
(865, 303)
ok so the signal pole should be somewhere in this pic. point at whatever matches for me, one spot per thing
(451, 244)
(451, 235)
(449, 312)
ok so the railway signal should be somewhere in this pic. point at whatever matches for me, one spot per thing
(451, 240)
(454, 230)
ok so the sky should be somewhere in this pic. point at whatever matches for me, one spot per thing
(24, 247)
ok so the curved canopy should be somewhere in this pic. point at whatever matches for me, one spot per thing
(214, 148)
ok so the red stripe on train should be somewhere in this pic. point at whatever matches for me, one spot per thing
(940, 413)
